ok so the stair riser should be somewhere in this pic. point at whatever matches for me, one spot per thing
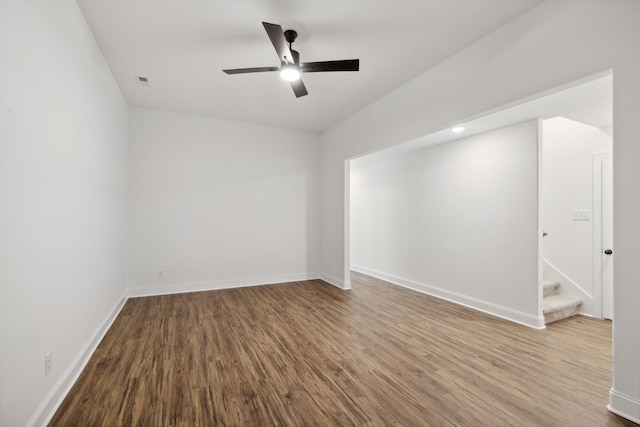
(556, 315)
(551, 290)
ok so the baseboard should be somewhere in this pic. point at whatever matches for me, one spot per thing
(332, 280)
(180, 288)
(526, 319)
(624, 406)
(53, 400)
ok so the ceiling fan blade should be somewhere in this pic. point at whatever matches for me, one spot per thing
(343, 65)
(251, 70)
(298, 88)
(276, 35)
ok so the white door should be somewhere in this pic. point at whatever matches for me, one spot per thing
(607, 238)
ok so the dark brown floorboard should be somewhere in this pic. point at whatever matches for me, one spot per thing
(309, 354)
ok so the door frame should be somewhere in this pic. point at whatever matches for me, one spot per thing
(597, 247)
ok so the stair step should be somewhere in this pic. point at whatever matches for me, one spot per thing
(550, 287)
(556, 307)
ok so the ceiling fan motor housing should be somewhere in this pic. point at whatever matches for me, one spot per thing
(290, 36)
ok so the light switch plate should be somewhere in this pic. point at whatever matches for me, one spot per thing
(582, 215)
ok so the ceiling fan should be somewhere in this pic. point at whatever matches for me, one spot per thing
(290, 65)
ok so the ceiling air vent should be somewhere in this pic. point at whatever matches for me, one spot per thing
(142, 80)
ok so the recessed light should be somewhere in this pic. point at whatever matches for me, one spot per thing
(457, 129)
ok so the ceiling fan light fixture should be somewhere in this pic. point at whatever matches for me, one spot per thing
(290, 73)
(290, 65)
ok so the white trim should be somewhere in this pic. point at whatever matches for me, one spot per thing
(569, 287)
(59, 391)
(526, 319)
(181, 288)
(334, 281)
(558, 275)
(347, 226)
(623, 405)
(597, 230)
(540, 242)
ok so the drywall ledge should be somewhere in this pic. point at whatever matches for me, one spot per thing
(624, 406)
(525, 319)
(50, 404)
(181, 288)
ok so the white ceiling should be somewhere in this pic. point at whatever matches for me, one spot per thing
(182, 46)
(589, 101)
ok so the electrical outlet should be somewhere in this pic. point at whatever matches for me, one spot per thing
(160, 274)
(48, 362)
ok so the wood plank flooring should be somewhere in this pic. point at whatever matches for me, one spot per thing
(309, 354)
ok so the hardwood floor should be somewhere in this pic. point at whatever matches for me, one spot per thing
(306, 353)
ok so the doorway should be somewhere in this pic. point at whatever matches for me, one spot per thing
(576, 213)
(587, 102)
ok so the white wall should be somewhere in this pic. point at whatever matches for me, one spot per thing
(567, 185)
(458, 220)
(63, 166)
(63, 169)
(216, 203)
(557, 42)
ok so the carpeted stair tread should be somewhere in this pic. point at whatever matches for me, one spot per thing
(559, 302)
(557, 307)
